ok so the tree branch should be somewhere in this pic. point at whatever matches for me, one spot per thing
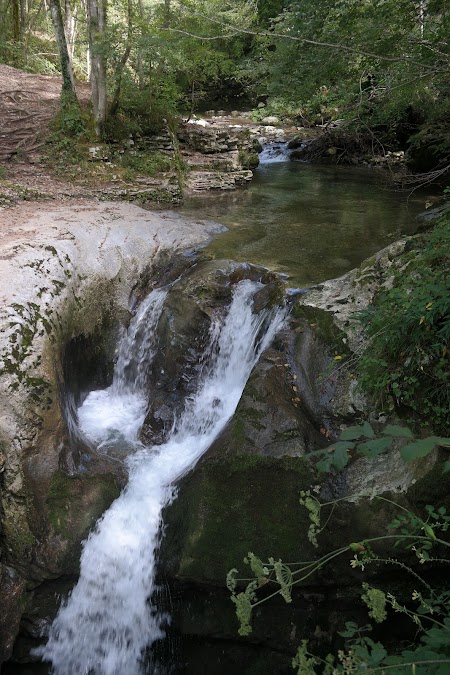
(316, 43)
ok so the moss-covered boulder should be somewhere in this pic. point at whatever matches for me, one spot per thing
(223, 511)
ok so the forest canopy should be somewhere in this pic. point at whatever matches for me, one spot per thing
(382, 66)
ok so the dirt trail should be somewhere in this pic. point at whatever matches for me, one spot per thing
(28, 103)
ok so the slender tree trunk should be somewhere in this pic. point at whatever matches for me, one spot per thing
(421, 12)
(140, 55)
(16, 20)
(71, 24)
(166, 22)
(88, 49)
(123, 61)
(97, 26)
(66, 68)
(23, 18)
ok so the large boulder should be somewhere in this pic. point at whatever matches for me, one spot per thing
(183, 332)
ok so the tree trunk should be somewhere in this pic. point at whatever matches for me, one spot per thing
(123, 62)
(166, 22)
(97, 26)
(140, 55)
(23, 18)
(66, 68)
(16, 20)
(71, 27)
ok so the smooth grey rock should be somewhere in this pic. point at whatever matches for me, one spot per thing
(64, 271)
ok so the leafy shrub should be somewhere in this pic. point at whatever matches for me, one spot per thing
(70, 121)
(144, 111)
(428, 610)
(147, 164)
(407, 357)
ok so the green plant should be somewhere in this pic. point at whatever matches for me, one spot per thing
(70, 120)
(147, 164)
(429, 610)
(361, 441)
(408, 329)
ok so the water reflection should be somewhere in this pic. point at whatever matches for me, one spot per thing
(311, 222)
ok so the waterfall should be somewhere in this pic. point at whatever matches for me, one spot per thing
(274, 151)
(117, 413)
(108, 620)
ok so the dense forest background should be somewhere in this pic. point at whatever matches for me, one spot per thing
(381, 67)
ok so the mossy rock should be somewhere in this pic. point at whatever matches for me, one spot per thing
(324, 327)
(74, 504)
(248, 160)
(229, 506)
(16, 531)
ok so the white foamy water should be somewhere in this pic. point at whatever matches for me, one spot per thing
(118, 412)
(275, 151)
(108, 620)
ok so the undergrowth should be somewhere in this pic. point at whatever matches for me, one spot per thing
(75, 152)
(426, 650)
(408, 328)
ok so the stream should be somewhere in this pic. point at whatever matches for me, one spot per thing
(310, 222)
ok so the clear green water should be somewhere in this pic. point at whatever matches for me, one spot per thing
(310, 222)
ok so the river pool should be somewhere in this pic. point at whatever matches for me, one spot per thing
(309, 222)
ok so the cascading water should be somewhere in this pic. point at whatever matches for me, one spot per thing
(119, 411)
(108, 620)
(273, 152)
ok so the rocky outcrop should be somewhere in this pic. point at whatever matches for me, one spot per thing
(203, 181)
(184, 334)
(66, 277)
(218, 158)
(59, 329)
(244, 493)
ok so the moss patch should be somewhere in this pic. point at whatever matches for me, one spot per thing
(324, 326)
(232, 505)
(75, 504)
(19, 538)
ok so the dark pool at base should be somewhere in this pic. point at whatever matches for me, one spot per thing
(310, 222)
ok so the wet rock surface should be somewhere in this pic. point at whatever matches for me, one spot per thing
(66, 276)
(183, 333)
(244, 493)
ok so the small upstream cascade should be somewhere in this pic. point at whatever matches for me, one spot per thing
(108, 620)
(274, 152)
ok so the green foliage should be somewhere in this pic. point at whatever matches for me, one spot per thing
(407, 357)
(36, 53)
(360, 441)
(146, 164)
(71, 120)
(382, 66)
(375, 599)
(429, 610)
(145, 111)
